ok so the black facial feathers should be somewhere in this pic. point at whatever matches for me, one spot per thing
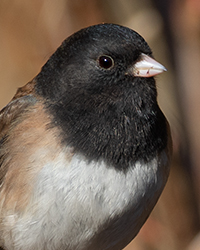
(102, 112)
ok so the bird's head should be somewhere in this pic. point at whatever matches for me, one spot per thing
(104, 58)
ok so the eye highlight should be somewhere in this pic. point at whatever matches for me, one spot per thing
(105, 62)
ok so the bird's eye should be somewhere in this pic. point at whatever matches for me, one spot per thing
(106, 62)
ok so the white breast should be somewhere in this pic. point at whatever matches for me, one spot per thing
(72, 203)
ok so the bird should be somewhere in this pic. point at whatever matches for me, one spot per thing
(85, 149)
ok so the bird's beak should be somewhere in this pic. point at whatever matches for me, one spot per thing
(147, 67)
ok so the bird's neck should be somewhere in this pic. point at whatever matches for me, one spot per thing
(115, 132)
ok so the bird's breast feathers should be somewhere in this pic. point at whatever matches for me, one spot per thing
(62, 195)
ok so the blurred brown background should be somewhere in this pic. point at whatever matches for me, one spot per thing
(30, 31)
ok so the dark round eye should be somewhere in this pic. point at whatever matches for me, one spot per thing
(106, 62)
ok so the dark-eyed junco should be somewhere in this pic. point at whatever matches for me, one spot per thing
(84, 147)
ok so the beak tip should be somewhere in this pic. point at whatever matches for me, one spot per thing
(164, 69)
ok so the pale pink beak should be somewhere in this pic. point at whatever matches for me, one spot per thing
(147, 67)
